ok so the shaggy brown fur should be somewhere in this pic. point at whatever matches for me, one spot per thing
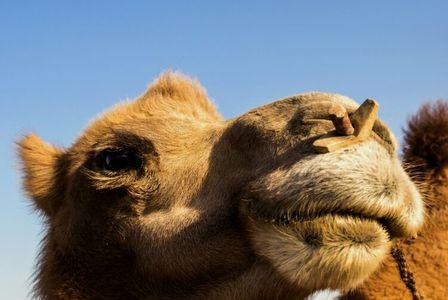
(160, 198)
(426, 152)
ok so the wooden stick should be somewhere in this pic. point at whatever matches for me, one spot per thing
(362, 120)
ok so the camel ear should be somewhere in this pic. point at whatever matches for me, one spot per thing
(426, 138)
(426, 149)
(41, 165)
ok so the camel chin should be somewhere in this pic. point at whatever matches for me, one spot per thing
(332, 251)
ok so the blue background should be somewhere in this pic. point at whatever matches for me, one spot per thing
(61, 63)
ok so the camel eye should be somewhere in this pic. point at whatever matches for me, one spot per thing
(118, 160)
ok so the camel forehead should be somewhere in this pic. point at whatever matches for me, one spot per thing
(173, 103)
(169, 132)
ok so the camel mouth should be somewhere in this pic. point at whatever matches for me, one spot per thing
(335, 249)
(390, 225)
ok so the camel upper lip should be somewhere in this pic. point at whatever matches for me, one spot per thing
(389, 224)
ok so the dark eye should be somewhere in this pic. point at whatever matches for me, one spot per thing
(118, 160)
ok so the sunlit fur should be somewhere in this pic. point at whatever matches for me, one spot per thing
(426, 157)
(192, 221)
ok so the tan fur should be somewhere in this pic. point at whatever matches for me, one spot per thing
(425, 152)
(189, 218)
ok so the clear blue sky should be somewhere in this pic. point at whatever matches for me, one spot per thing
(63, 63)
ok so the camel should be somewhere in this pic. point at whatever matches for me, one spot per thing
(425, 151)
(161, 198)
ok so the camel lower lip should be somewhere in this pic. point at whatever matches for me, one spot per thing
(390, 225)
(347, 225)
(296, 219)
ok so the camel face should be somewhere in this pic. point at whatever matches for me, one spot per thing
(162, 197)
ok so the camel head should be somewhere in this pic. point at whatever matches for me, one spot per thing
(162, 198)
